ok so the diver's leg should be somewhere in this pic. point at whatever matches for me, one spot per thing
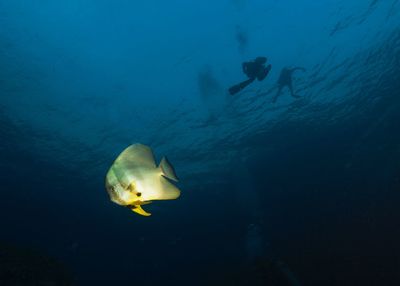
(277, 94)
(290, 86)
(238, 87)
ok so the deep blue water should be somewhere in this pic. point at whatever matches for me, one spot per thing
(298, 192)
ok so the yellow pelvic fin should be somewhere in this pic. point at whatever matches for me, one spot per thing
(139, 210)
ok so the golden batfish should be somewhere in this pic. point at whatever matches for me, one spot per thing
(134, 179)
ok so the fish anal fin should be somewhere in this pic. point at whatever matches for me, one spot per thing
(168, 190)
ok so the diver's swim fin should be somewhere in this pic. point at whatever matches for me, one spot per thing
(236, 88)
(139, 210)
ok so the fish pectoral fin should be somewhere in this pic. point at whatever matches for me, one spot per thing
(167, 169)
(139, 210)
(145, 203)
(140, 203)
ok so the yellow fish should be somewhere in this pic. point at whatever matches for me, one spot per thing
(134, 179)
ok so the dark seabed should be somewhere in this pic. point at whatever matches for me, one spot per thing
(304, 191)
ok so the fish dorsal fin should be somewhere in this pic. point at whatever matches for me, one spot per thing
(168, 190)
(137, 155)
(167, 169)
(139, 210)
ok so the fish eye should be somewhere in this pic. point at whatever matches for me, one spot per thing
(138, 194)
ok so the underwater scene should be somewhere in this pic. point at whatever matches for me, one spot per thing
(231, 142)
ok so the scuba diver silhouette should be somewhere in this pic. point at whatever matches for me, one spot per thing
(254, 69)
(285, 79)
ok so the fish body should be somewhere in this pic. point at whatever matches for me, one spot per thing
(134, 179)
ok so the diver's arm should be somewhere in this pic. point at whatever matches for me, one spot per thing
(245, 67)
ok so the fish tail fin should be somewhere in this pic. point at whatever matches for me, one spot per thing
(167, 169)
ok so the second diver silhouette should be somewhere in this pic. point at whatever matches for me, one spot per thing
(285, 79)
(254, 70)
